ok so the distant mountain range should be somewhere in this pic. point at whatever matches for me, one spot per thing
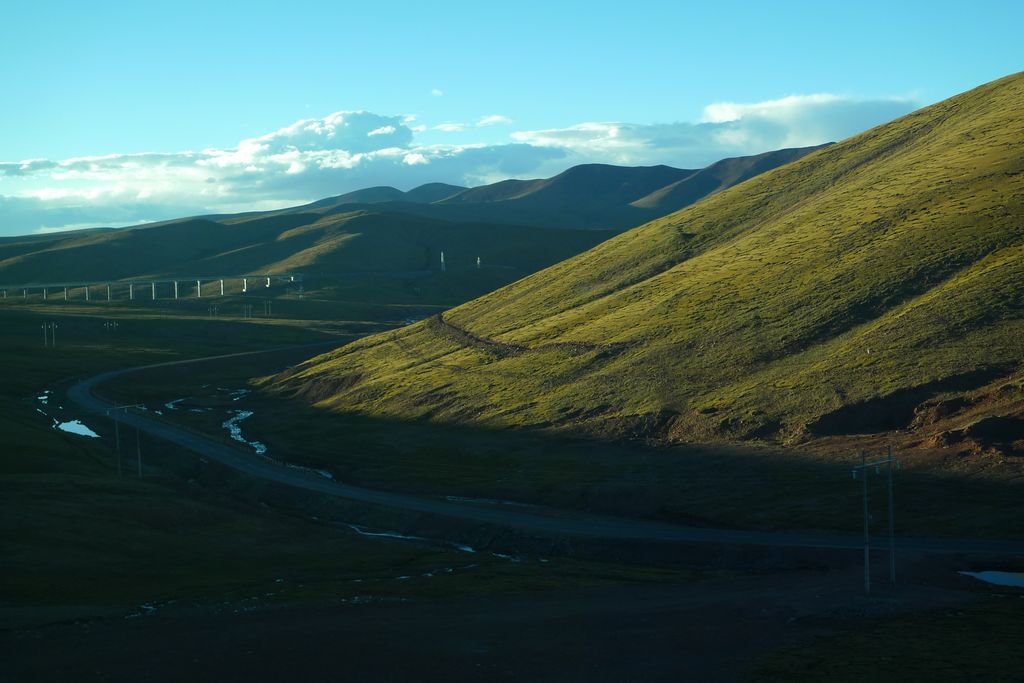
(518, 225)
(590, 196)
(875, 285)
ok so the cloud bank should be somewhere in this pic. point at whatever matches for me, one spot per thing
(348, 150)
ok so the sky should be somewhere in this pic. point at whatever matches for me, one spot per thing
(116, 113)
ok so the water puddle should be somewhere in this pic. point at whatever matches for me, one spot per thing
(1015, 579)
(231, 424)
(364, 531)
(488, 501)
(76, 427)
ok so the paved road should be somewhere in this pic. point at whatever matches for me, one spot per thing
(533, 520)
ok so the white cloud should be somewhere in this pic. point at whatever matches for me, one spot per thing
(348, 150)
(436, 92)
(493, 120)
(727, 129)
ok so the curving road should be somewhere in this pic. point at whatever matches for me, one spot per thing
(561, 523)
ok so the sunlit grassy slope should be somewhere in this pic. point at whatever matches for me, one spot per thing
(889, 265)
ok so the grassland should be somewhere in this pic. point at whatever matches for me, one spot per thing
(881, 272)
(82, 542)
(960, 644)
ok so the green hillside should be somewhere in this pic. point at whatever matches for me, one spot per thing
(851, 291)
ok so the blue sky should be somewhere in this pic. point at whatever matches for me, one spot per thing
(122, 112)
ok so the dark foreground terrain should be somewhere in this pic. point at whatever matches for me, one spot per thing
(713, 629)
(197, 571)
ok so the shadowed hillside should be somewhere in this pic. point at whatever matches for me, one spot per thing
(852, 291)
(351, 242)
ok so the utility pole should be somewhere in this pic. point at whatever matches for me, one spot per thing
(862, 472)
(117, 437)
(892, 532)
(117, 444)
(442, 262)
(49, 334)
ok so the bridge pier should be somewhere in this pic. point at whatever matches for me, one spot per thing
(245, 285)
(199, 289)
(87, 292)
(131, 291)
(44, 293)
(153, 290)
(108, 292)
(65, 294)
(175, 289)
(222, 287)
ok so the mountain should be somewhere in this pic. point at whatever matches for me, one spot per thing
(597, 196)
(491, 221)
(594, 183)
(718, 176)
(424, 194)
(877, 284)
(432, 192)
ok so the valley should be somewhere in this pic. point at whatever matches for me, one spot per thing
(614, 413)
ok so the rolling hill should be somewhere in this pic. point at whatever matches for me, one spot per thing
(876, 284)
(371, 250)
